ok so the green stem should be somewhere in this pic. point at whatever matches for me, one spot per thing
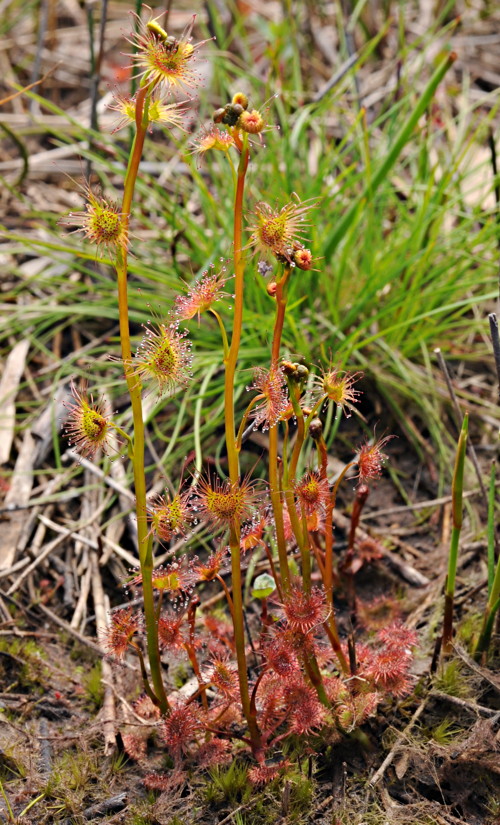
(301, 432)
(134, 389)
(457, 499)
(328, 566)
(300, 532)
(232, 357)
(232, 452)
(493, 576)
(274, 485)
(241, 428)
(223, 333)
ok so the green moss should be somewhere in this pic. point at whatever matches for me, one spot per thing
(228, 785)
(179, 676)
(301, 797)
(94, 688)
(78, 653)
(23, 663)
(469, 629)
(445, 733)
(451, 679)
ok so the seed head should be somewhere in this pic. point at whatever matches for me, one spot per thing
(271, 385)
(276, 231)
(223, 503)
(101, 223)
(87, 428)
(165, 357)
(201, 296)
(123, 627)
(163, 58)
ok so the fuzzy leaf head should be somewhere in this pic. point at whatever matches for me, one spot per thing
(88, 427)
(163, 58)
(164, 357)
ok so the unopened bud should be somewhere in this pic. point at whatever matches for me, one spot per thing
(271, 288)
(298, 372)
(241, 99)
(252, 122)
(232, 114)
(316, 428)
(288, 368)
(303, 259)
(218, 115)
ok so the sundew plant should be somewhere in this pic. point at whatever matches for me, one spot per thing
(299, 681)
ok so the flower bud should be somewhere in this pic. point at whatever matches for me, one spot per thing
(271, 288)
(252, 122)
(316, 428)
(241, 99)
(232, 113)
(288, 368)
(218, 115)
(303, 259)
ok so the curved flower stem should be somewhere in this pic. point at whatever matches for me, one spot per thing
(274, 485)
(328, 565)
(134, 388)
(301, 431)
(232, 356)
(241, 428)
(223, 333)
(227, 594)
(300, 533)
(299, 528)
(230, 362)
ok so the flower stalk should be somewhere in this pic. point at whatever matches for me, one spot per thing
(230, 362)
(145, 543)
(457, 514)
